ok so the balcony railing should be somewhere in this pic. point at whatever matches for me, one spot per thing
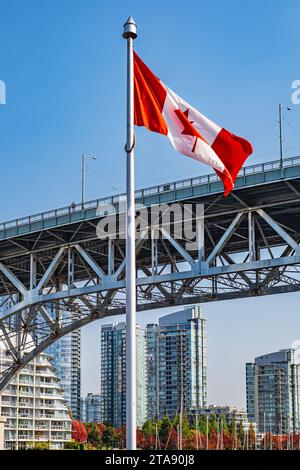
(26, 404)
(25, 437)
(24, 393)
(8, 403)
(47, 395)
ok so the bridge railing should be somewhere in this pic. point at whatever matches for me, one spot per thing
(152, 190)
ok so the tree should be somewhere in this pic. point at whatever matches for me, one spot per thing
(93, 435)
(172, 440)
(233, 433)
(232, 427)
(165, 425)
(149, 428)
(252, 436)
(241, 432)
(140, 439)
(203, 424)
(213, 440)
(214, 425)
(224, 425)
(228, 441)
(41, 446)
(101, 427)
(150, 442)
(120, 437)
(196, 439)
(71, 445)
(108, 436)
(186, 428)
(79, 433)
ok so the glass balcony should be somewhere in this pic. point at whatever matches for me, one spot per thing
(26, 404)
(8, 403)
(44, 438)
(24, 437)
(41, 426)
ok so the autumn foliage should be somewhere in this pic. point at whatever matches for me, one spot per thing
(79, 433)
(164, 435)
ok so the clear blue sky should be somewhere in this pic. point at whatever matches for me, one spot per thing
(63, 62)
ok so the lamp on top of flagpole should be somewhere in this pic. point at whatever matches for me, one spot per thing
(130, 34)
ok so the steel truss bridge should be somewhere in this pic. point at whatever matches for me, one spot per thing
(248, 245)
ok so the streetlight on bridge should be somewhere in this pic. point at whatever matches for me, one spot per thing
(83, 177)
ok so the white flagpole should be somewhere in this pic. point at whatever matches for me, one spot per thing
(130, 34)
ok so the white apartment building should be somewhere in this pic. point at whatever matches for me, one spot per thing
(33, 406)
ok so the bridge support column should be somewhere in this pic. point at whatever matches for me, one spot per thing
(200, 237)
(32, 271)
(111, 257)
(251, 236)
(154, 253)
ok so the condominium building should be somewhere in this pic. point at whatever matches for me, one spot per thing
(33, 406)
(176, 363)
(113, 374)
(229, 413)
(152, 358)
(250, 392)
(82, 410)
(91, 408)
(66, 358)
(273, 387)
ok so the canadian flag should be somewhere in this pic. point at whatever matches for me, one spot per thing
(160, 110)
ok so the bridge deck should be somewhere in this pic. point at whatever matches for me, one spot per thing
(202, 186)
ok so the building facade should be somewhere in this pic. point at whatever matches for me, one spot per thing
(66, 358)
(176, 363)
(227, 412)
(91, 408)
(250, 392)
(113, 374)
(152, 367)
(34, 406)
(273, 386)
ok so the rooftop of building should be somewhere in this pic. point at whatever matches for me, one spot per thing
(182, 316)
(283, 355)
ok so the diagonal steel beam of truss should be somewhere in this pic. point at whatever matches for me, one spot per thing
(138, 245)
(279, 230)
(179, 248)
(13, 350)
(224, 239)
(13, 279)
(92, 264)
(46, 316)
(53, 265)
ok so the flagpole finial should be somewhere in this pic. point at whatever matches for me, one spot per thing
(130, 29)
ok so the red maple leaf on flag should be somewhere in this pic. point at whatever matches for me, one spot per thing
(188, 128)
